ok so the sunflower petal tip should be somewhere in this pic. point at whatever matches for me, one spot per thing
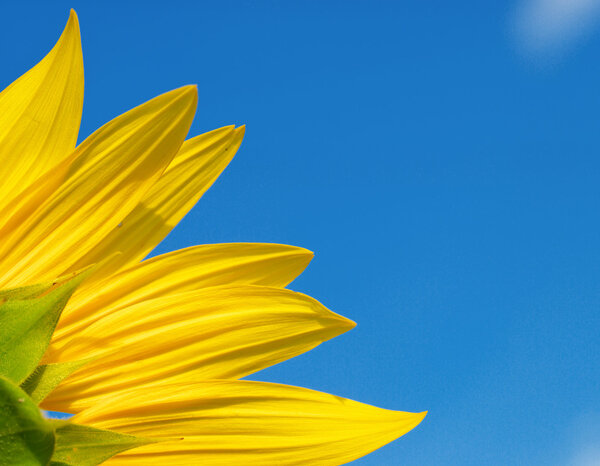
(406, 421)
(189, 89)
(345, 324)
(73, 21)
(417, 418)
(241, 130)
(307, 252)
(300, 251)
(70, 36)
(187, 96)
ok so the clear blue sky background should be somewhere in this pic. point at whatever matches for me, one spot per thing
(442, 161)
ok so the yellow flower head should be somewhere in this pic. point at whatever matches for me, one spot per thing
(153, 349)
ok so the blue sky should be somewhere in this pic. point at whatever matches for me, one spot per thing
(442, 159)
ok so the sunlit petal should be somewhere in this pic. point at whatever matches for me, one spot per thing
(112, 171)
(178, 271)
(193, 170)
(39, 116)
(221, 332)
(249, 423)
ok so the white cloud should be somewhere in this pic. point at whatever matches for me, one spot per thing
(582, 439)
(586, 456)
(548, 27)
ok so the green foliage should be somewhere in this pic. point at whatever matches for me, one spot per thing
(78, 445)
(25, 436)
(46, 378)
(26, 292)
(27, 324)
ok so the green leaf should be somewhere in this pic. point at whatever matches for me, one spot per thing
(86, 446)
(46, 378)
(26, 292)
(26, 326)
(25, 436)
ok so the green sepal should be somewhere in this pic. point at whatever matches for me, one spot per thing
(46, 378)
(26, 326)
(25, 436)
(26, 292)
(79, 445)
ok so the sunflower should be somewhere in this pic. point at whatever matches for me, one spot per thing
(148, 354)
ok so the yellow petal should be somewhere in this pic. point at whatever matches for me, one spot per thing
(178, 271)
(40, 114)
(246, 423)
(193, 170)
(220, 332)
(113, 169)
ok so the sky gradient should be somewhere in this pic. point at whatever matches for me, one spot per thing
(441, 160)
